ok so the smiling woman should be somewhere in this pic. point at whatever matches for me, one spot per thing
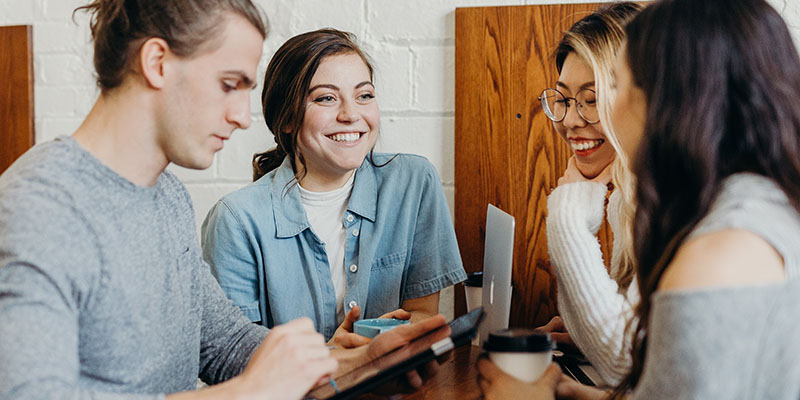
(341, 122)
(329, 229)
(581, 128)
(594, 302)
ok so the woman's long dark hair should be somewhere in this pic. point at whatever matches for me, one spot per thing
(722, 83)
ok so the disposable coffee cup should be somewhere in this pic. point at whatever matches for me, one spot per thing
(473, 288)
(521, 353)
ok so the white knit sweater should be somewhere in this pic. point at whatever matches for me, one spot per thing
(594, 311)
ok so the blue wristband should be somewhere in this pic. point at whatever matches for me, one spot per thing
(333, 383)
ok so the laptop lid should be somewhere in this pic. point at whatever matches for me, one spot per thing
(498, 256)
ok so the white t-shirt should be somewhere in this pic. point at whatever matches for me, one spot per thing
(325, 212)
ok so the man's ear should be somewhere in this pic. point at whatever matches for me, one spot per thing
(152, 56)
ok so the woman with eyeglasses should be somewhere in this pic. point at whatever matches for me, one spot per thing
(594, 303)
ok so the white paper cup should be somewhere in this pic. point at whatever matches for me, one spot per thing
(521, 353)
(474, 293)
(474, 297)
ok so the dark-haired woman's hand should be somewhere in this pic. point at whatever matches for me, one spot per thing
(498, 385)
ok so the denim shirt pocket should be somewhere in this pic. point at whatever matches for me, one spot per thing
(390, 261)
(385, 284)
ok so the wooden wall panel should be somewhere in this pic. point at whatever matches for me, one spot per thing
(16, 93)
(506, 151)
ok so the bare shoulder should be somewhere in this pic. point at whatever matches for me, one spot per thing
(726, 258)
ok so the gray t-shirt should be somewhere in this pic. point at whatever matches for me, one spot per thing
(103, 290)
(732, 343)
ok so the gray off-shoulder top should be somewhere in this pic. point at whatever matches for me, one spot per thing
(732, 343)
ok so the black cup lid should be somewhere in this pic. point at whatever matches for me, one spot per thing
(518, 340)
(474, 279)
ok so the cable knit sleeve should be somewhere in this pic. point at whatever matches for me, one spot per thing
(593, 310)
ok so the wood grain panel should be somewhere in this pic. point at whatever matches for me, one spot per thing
(507, 152)
(16, 93)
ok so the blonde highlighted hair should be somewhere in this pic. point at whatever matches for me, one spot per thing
(597, 39)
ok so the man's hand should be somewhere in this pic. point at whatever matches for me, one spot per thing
(291, 360)
(402, 335)
(345, 338)
(498, 385)
(394, 339)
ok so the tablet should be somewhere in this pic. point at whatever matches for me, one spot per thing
(395, 364)
(574, 365)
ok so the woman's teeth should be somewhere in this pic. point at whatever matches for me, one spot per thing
(345, 137)
(585, 144)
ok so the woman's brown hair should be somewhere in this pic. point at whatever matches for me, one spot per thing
(286, 84)
(120, 27)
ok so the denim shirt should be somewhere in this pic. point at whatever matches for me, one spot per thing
(400, 245)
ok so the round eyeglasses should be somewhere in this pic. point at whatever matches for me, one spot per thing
(555, 105)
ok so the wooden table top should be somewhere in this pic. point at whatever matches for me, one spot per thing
(456, 379)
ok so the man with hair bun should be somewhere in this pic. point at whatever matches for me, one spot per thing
(103, 290)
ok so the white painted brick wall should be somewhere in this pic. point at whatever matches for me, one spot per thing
(410, 41)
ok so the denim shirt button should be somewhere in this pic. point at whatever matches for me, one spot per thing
(352, 303)
(355, 232)
(353, 268)
(350, 218)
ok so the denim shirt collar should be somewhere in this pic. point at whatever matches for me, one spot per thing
(290, 216)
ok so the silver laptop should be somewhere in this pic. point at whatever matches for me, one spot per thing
(498, 257)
